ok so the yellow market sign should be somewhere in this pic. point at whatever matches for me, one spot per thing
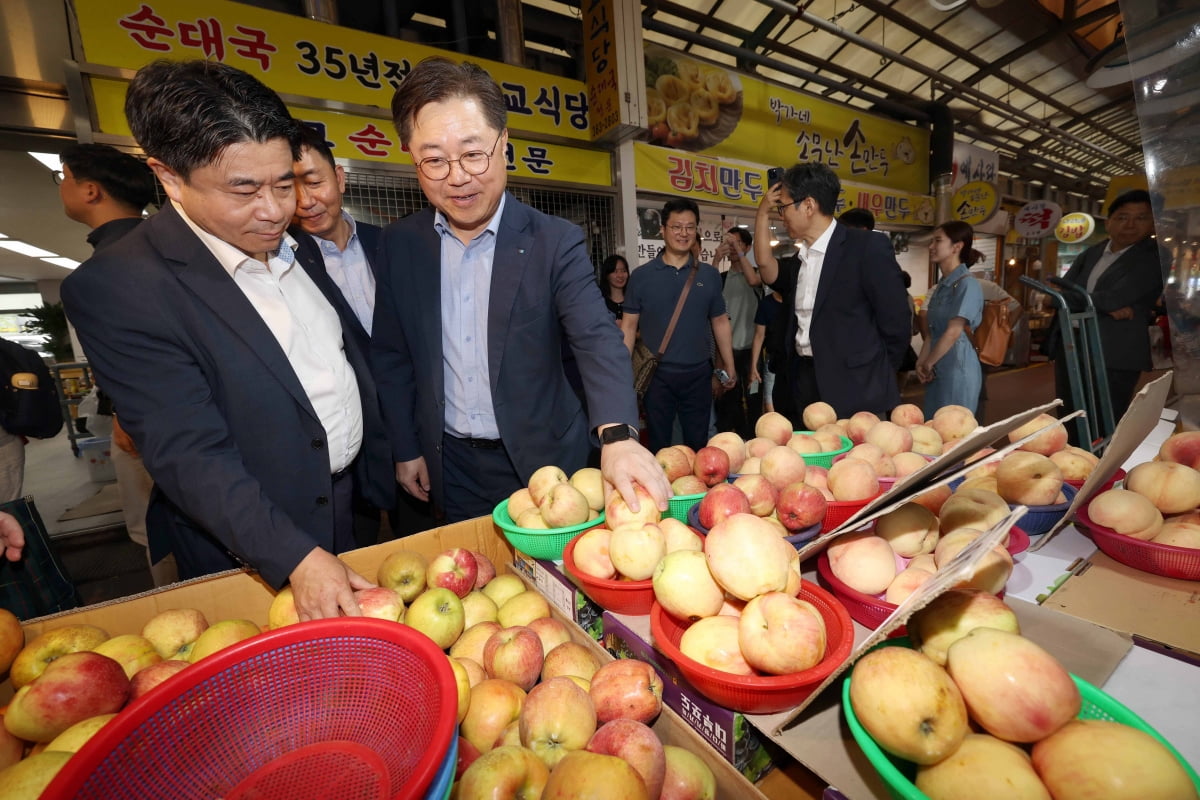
(373, 139)
(975, 202)
(302, 57)
(709, 180)
(1075, 227)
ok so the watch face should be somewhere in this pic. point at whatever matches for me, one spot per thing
(617, 433)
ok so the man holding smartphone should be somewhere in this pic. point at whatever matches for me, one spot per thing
(739, 408)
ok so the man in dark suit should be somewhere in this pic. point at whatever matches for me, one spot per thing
(476, 297)
(254, 413)
(1124, 276)
(848, 323)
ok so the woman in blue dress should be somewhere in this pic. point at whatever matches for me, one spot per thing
(948, 365)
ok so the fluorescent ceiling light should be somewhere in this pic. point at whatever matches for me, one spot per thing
(62, 261)
(27, 249)
(50, 161)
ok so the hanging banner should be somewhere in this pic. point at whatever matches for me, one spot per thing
(303, 57)
(1075, 227)
(975, 202)
(710, 180)
(971, 164)
(373, 139)
(1036, 219)
(612, 58)
(705, 109)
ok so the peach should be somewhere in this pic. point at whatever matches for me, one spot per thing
(992, 571)
(862, 561)
(924, 561)
(832, 427)
(817, 414)
(1179, 534)
(761, 493)
(934, 498)
(905, 583)
(519, 502)
(752, 465)
(817, 477)
(635, 550)
(972, 508)
(908, 463)
(830, 442)
(851, 479)
(1126, 512)
(1173, 488)
(907, 414)
(747, 556)
(953, 422)
(925, 440)
(890, 437)
(1032, 479)
(804, 443)
(1182, 448)
(859, 424)
(734, 447)
(1075, 463)
(1051, 440)
(591, 554)
(758, 446)
(880, 461)
(782, 465)
(910, 529)
(987, 484)
(713, 642)
(774, 426)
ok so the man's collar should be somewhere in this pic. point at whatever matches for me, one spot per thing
(821, 243)
(442, 225)
(229, 257)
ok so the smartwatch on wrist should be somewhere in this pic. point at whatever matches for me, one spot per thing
(618, 433)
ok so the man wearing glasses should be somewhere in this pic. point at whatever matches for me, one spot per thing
(476, 297)
(849, 325)
(682, 384)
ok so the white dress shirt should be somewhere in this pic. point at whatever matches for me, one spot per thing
(309, 332)
(1102, 264)
(812, 258)
(351, 273)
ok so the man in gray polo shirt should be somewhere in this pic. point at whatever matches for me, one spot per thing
(682, 384)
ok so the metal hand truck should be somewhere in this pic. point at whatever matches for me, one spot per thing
(1084, 361)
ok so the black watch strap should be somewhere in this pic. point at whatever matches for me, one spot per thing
(618, 433)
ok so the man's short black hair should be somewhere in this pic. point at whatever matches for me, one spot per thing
(126, 179)
(1128, 198)
(185, 113)
(816, 181)
(678, 204)
(858, 218)
(744, 234)
(312, 139)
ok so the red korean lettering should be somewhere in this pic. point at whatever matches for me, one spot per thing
(145, 27)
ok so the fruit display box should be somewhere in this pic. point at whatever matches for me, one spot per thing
(729, 732)
(549, 578)
(239, 594)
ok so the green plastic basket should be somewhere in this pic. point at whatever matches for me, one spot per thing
(898, 774)
(825, 459)
(679, 505)
(545, 544)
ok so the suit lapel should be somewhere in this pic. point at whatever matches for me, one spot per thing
(422, 276)
(197, 269)
(829, 267)
(513, 246)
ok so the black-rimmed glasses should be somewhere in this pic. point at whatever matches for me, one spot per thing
(473, 162)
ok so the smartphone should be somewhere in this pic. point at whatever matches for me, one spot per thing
(774, 176)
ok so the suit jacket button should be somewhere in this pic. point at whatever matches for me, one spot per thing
(317, 444)
(322, 500)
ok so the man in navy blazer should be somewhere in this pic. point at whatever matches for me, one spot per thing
(254, 412)
(476, 296)
(849, 325)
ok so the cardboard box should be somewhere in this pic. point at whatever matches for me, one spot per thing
(550, 579)
(243, 595)
(729, 732)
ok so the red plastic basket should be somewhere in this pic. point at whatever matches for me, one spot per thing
(838, 511)
(760, 694)
(1161, 559)
(1119, 475)
(339, 708)
(617, 596)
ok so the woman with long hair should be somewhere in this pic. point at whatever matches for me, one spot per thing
(614, 275)
(948, 365)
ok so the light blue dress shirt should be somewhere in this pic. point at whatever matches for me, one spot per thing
(466, 294)
(351, 273)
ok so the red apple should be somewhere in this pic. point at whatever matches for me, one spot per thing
(688, 484)
(570, 658)
(551, 631)
(761, 493)
(627, 689)
(494, 704)
(509, 771)
(72, 688)
(380, 602)
(687, 777)
(674, 462)
(12, 639)
(582, 774)
(800, 506)
(147, 678)
(486, 570)
(467, 753)
(711, 465)
(720, 503)
(638, 746)
(34, 657)
(514, 654)
(454, 569)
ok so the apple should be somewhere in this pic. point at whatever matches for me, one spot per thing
(478, 607)
(494, 704)
(617, 511)
(437, 613)
(908, 704)
(747, 557)
(282, 610)
(674, 462)
(12, 638)
(552, 632)
(863, 561)
(472, 640)
(760, 493)
(147, 678)
(514, 654)
(800, 506)
(592, 554)
(511, 735)
(804, 444)
(1126, 512)
(734, 447)
(636, 745)
(852, 480)
(404, 572)
(557, 717)
(779, 633)
(1182, 448)
(519, 502)
(570, 658)
(72, 688)
(502, 587)
(713, 642)
(774, 426)
(475, 672)
(711, 465)
(131, 651)
(1053, 439)
(462, 683)
(467, 755)
(907, 581)
(12, 749)
(952, 615)
(636, 549)
(628, 689)
(543, 480)
(220, 635)
(679, 536)
(890, 437)
(522, 609)
(911, 529)
(582, 774)
(76, 736)
(689, 484)
(509, 771)
(590, 482)
(1173, 488)
(972, 508)
(687, 777)
(684, 586)
(1029, 479)
(33, 658)
(983, 767)
(907, 414)
(782, 465)
(1014, 689)
(720, 503)
(380, 602)
(1099, 758)
(26, 780)
(926, 440)
(454, 569)
(486, 570)
(1075, 463)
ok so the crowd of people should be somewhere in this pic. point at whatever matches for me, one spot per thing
(284, 375)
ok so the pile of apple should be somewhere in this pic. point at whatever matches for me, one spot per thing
(972, 670)
(1160, 500)
(552, 500)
